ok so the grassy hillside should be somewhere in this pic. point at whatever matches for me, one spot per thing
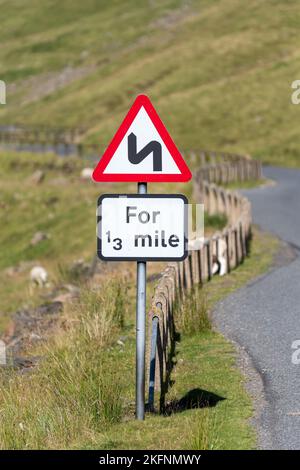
(219, 71)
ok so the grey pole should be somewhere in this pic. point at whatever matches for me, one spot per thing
(140, 330)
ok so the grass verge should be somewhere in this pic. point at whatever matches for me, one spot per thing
(74, 392)
(82, 393)
(248, 184)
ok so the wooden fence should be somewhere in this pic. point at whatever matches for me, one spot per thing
(63, 142)
(229, 247)
(218, 166)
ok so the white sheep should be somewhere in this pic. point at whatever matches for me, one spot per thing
(39, 276)
(86, 173)
(195, 243)
(220, 262)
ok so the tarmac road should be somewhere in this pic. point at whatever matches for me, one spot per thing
(264, 316)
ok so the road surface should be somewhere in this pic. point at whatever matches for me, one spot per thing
(264, 317)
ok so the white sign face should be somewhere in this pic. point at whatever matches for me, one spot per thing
(144, 128)
(142, 227)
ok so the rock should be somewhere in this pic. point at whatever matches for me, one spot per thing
(63, 298)
(74, 290)
(51, 308)
(11, 271)
(120, 343)
(80, 268)
(39, 276)
(86, 173)
(37, 177)
(25, 363)
(19, 268)
(38, 237)
(60, 291)
(24, 319)
(33, 337)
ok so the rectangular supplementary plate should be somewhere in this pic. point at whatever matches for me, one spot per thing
(142, 227)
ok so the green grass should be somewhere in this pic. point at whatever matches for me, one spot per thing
(205, 361)
(206, 365)
(70, 395)
(263, 249)
(82, 393)
(248, 184)
(219, 75)
(215, 222)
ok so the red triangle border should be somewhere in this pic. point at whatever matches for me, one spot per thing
(142, 101)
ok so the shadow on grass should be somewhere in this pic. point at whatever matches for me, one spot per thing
(196, 398)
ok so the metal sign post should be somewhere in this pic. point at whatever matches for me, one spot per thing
(141, 227)
(140, 330)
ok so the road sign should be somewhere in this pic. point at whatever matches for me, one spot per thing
(142, 227)
(142, 150)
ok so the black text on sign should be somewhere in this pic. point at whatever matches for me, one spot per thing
(142, 227)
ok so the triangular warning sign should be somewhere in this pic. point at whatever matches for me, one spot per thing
(142, 150)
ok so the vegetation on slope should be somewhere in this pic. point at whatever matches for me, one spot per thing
(219, 72)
